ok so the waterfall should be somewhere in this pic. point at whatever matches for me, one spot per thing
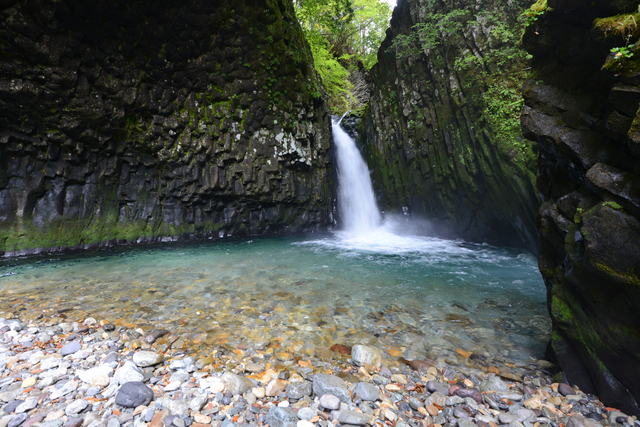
(356, 201)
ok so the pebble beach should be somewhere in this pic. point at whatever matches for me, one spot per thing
(58, 371)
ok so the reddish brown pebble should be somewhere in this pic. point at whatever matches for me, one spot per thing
(432, 410)
(339, 348)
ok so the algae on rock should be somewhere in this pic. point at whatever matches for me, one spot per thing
(581, 112)
(157, 120)
(442, 130)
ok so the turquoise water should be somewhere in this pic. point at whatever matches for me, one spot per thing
(415, 295)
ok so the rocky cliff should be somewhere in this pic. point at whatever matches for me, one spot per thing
(582, 110)
(442, 131)
(142, 120)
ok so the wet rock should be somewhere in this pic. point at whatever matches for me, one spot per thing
(469, 392)
(565, 389)
(493, 383)
(154, 334)
(579, 420)
(324, 383)
(281, 417)
(366, 356)
(434, 386)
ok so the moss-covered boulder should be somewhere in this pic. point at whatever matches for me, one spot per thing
(442, 131)
(582, 111)
(147, 120)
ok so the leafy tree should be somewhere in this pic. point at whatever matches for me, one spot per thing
(343, 34)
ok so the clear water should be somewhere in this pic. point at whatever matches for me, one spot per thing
(408, 295)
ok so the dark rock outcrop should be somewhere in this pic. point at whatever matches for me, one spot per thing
(142, 120)
(442, 130)
(583, 119)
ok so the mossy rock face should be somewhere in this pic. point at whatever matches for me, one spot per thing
(156, 120)
(441, 132)
(583, 117)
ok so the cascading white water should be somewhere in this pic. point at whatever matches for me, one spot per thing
(356, 200)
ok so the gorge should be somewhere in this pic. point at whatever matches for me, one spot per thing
(151, 122)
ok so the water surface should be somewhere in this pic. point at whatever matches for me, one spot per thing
(415, 296)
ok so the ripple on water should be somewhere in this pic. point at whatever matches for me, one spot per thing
(412, 296)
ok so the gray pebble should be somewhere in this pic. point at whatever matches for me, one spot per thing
(70, 348)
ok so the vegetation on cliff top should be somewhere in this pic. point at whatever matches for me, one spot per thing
(344, 36)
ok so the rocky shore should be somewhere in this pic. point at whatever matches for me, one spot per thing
(92, 373)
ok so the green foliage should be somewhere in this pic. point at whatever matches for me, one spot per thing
(535, 11)
(624, 52)
(342, 34)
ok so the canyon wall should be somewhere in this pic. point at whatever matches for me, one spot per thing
(151, 120)
(442, 132)
(582, 110)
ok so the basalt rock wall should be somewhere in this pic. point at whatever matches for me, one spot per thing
(582, 110)
(146, 120)
(442, 133)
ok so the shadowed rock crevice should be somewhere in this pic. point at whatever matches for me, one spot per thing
(581, 112)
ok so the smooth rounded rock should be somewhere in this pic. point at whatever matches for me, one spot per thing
(329, 401)
(366, 391)
(16, 420)
(353, 417)
(70, 348)
(145, 358)
(134, 394)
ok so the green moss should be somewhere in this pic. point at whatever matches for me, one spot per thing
(624, 26)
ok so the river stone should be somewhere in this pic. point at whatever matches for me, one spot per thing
(579, 420)
(89, 375)
(154, 335)
(306, 413)
(128, 372)
(364, 355)
(298, 390)
(11, 406)
(464, 422)
(565, 389)
(281, 417)
(324, 383)
(27, 405)
(70, 348)
(493, 383)
(329, 401)
(65, 389)
(76, 406)
(353, 417)
(16, 420)
(366, 391)
(134, 394)
(237, 384)
(49, 363)
(434, 386)
(145, 358)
